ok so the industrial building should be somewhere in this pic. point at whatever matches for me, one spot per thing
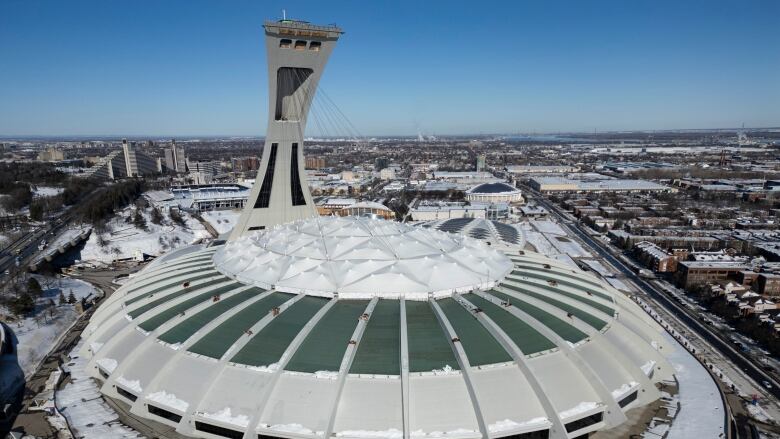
(541, 169)
(564, 184)
(442, 210)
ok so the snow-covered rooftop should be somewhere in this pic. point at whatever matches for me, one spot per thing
(362, 258)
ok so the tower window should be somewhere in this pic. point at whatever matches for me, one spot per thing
(285, 43)
(264, 197)
(300, 45)
(296, 192)
(291, 94)
(315, 45)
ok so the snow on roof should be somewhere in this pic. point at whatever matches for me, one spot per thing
(368, 205)
(361, 257)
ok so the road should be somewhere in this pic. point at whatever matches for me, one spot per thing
(747, 365)
(26, 246)
(754, 370)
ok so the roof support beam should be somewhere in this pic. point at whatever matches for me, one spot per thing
(250, 432)
(613, 415)
(404, 369)
(557, 430)
(222, 317)
(119, 337)
(346, 363)
(551, 309)
(257, 327)
(185, 426)
(463, 362)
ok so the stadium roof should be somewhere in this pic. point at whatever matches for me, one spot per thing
(493, 188)
(356, 257)
(240, 340)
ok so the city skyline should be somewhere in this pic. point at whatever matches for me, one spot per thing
(196, 69)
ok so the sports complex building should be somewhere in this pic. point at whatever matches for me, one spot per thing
(302, 326)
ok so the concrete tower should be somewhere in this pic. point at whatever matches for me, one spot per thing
(297, 53)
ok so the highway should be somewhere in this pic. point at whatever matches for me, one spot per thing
(27, 246)
(746, 364)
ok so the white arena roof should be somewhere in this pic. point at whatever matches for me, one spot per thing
(250, 340)
(361, 258)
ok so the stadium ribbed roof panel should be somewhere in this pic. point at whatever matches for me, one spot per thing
(338, 324)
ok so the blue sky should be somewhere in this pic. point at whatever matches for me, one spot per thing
(190, 67)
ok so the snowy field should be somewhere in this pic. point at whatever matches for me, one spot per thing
(536, 239)
(82, 405)
(222, 220)
(38, 335)
(548, 227)
(47, 191)
(598, 267)
(701, 410)
(548, 238)
(618, 284)
(124, 240)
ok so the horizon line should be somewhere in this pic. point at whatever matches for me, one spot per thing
(364, 137)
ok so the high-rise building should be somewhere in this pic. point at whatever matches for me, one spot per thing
(381, 163)
(203, 172)
(297, 53)
(137, 164)
(243, 164)
(51, 155)
(175, 160)
(481, 162)
(315, 162)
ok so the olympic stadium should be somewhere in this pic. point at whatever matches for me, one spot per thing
(300, 326)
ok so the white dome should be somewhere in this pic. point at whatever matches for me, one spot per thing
(361, 258)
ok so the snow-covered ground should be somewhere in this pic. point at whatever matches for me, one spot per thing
(618, 284)
(38, 335)
(124, 240)
(548, 238)
(598, 267)
(548, 227)
(701, 409)
(537, 240)
(222, 220)
(83, 406)
(47, 191)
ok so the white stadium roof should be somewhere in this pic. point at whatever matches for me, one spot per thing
(361, 258)
(246, 340)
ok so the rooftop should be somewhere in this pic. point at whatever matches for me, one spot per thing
(361, 258)
(493, 188)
